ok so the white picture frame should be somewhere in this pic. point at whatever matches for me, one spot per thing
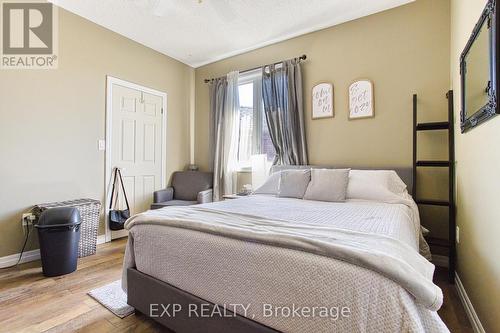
(322, 100)
(361, 99)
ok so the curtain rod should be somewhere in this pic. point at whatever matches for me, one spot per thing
(302, 57)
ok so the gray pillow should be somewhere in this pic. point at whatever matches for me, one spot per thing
(271, 185)
(293, 183)
(328, 185)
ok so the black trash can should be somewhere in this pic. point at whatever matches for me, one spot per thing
(59, 234)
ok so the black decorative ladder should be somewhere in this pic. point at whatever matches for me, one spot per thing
(450, 164)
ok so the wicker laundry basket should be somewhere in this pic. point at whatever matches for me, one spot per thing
(89, 211)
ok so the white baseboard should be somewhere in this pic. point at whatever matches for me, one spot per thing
(33, 255)
(119, 234)
(469, 309)
(101, 239)
(13, 258)
(440, 261)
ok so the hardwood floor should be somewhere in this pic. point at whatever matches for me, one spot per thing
(29, 302)
(452, 312)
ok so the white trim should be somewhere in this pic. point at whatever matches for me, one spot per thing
(192, 118)
(120, 234)
(110, 81)
(469, 308)
(101, 239)
(440, 261)
(12, 259)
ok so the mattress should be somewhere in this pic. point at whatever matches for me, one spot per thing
(272, 281)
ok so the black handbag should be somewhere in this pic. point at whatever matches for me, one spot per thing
(118, 217)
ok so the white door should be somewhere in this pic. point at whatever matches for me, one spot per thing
(136, 145)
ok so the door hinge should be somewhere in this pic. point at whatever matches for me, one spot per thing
(161, 110)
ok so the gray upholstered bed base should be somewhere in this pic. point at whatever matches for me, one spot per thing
(146, 293)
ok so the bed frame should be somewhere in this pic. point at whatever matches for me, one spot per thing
(144, 290)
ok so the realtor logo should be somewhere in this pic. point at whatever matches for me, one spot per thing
(29, 35)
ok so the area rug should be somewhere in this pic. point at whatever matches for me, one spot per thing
(113, 298)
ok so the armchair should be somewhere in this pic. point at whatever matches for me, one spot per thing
(188, 188)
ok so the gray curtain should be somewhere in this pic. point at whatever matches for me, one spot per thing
(225, 115)
(218, 91)
(283, 106)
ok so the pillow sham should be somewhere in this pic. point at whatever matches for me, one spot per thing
(328, 185)
(271, 185)
(376, 185)
(293, 183)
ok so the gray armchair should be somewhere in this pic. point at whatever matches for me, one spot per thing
(188, 188)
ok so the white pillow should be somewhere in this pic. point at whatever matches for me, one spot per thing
(271, 185)
(328, 185)
(375, 185)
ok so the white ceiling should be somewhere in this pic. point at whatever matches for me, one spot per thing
(198, 32)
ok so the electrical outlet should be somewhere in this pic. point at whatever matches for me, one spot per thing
(457, 233)
(27, 218)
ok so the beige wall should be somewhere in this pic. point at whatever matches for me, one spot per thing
(403, 51)
(478, 179)
(50, 120)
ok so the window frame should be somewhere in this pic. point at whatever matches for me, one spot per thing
(254, 77)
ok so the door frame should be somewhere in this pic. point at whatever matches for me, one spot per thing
(110, 81)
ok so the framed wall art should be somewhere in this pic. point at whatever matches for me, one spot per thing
(322, 101)
(361, 99)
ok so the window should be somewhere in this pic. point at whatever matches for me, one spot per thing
(254, 135)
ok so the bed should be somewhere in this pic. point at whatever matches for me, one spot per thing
(268, 264)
